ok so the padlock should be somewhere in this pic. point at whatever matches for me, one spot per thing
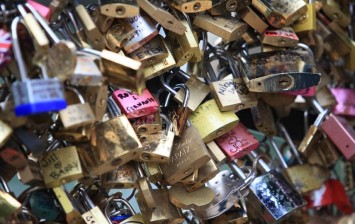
(103, 22)
(86, 72)
(251, 17)
(188, 154)
(184, 46)
(144, 32)
(9, 205)
(284, 37)
(81, 134)
(304, 177)
(231, 93)
(205, 173)
(332, 192)
(56, 7)
(119, 8)
(227, 189)
(113, 143)
(13, 156)
(191, 179)
(178, 115)
(31, 174)
(43, 10)
(237, 143)
(8, 113)
(278, 189)
(124, 206)
(325, 97)
(89, 212)
(134, 105)
(197, 200)
(96, 96)
(157, 147)
(163, 17)
(154, 203)
(280, 102)
(120, 70)
(92, 33)
(212, 127)
(219, 8)
(198, 90)
(333, 11)
(43, 205)
(30, 140)
(308, 21)
(118, 35)
(149, 124)
(226, 27)
(61, 166)
(5, 133)
(191, 6)
(160, 67)
(134, 219)
(37, 95)
(122, 177)
(216, 153)
(263, 118)
(150, 53)
(77, 115)
(327, 152)
(72, 214)
(281, 13)
(345, 99)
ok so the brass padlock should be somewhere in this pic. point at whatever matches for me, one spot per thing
(189, 153)
(251, 17)
(96, 96)
(153, 172)
(216, 153)
(263, 118)
(31, 174)
(118, 35)
(226, 27)
(124, 176)
(119, 8)
(205, 173)
(284, 37)
(113, 143)
(61, 166)
(191, 6)
(307, 22)
(333, 11)
(211, 122)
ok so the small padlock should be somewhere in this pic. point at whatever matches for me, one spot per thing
(96, 96)
(188, 154)
(212, 127)
(37, 95)
(157, 147)
(333, 11)
(134, 105)
(237, 143)
(284, 37)
(103, 22)
(251, 17)
(124, 176)
(61, 166)
(86, 72)
(113, 143)
(308, 21)
(77, 115)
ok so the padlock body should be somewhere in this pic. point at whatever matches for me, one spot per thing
(345, 99)
(38, 96)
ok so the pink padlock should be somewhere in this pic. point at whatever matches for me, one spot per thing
(303, 92)
(5, 47)
(134, 105)
(341, 134)
(345, 101)
(237, 143)
(41, 9)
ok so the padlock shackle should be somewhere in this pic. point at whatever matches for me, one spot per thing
(4, 185)
(168, 124)
(77, 93)
(257, 160)
(290, 142)
(117, 200)
(88, 204)
(278, 152)
(186, 97)
(17, 49)
(43, 23)
(166, 86)
(113, 108)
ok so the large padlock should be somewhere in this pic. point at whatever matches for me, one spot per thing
(211, 122)
(36, 95)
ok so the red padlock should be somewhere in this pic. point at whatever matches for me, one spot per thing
(345, 101)
(237, 143)
(134, 105)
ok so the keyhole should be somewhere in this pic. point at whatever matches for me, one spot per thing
(197, 6)
(120, 10)
(285, 82)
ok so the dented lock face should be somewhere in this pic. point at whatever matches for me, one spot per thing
(278, 71)
(119, 8)
(118, 35)
(273, 197)
(86, 72)
(184, 46)
(77, 115)
(345, 99)
(280, 13)
(113, 143)
(232, 94)
(134, 105)
(152, 52)
(144, 32)
(237, 143)
(124, 176)
(188, 154)
(228, 28)
(149, 124)
(61, 166)
(284, 37)
(192, 6)
(211, 122)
